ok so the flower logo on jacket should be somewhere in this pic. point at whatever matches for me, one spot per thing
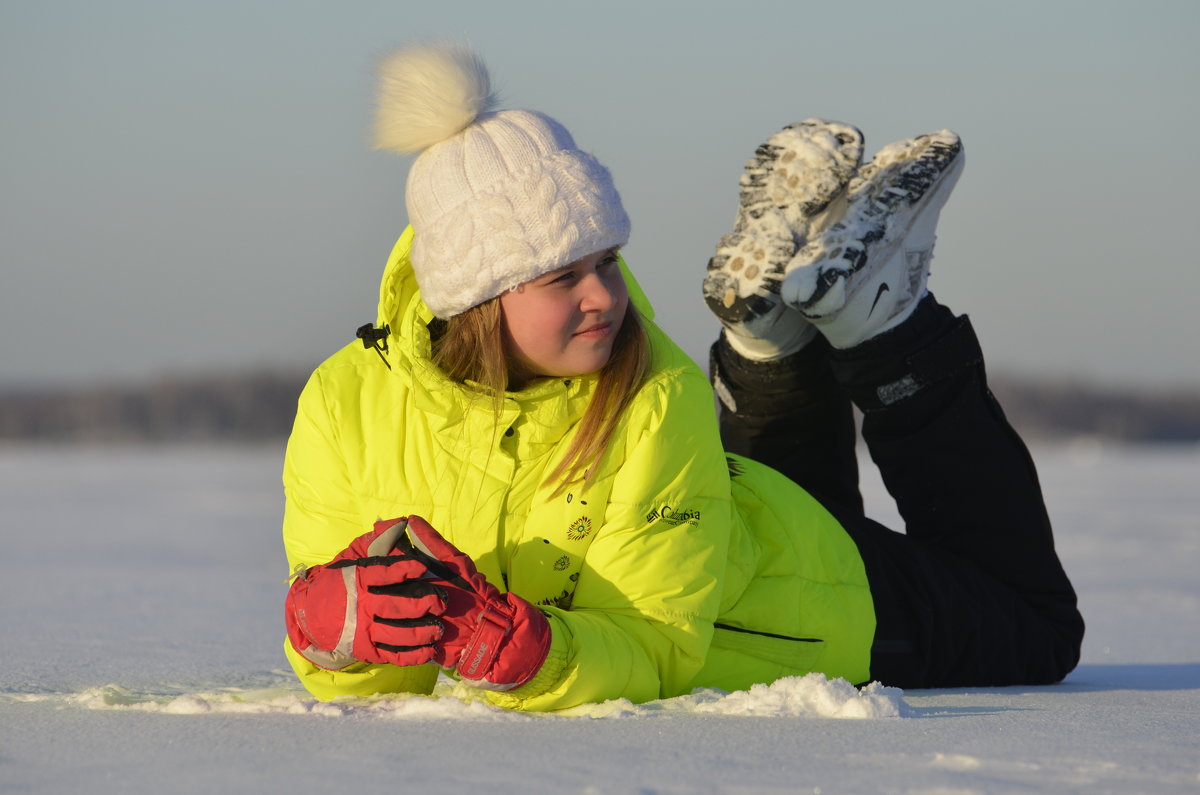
(580, 529)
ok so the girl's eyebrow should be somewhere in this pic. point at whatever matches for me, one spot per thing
(550, 276)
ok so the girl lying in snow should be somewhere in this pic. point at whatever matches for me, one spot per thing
(578, 523)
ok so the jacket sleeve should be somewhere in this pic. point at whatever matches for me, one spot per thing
(642, 615)
(320, 519)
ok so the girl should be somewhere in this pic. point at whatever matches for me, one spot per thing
(577, 526)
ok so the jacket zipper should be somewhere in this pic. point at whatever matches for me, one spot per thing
(766, 634)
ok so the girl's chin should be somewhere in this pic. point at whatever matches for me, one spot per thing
(584, 366)
(520, 381)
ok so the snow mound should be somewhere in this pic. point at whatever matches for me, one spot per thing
(278, 701)
(812, 696)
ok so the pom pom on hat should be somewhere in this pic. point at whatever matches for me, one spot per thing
(495, 198)
(429, 93)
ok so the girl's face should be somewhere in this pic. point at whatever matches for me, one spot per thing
(565, 322)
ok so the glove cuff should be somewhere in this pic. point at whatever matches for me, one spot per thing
(507, 647)
(491, 631)
(549, 676)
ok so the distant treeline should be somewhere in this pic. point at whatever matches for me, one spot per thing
(230, 407)
(260, 407)
(1054, 410)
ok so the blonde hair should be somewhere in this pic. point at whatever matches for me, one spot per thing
(470, 347)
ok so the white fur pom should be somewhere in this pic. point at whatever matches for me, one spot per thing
(428, 93)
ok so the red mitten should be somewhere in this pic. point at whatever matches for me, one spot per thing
(372, 603)
(496, 641)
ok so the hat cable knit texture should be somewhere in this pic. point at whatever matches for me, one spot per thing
(495, 198)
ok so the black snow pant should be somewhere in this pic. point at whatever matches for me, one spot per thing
(972, 593)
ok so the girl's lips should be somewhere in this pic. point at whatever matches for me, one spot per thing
(598, 331)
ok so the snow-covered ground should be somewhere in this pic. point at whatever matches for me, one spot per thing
(140, 651)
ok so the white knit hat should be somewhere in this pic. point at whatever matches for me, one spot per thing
(495, 198)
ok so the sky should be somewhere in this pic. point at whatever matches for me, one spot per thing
(189, 186)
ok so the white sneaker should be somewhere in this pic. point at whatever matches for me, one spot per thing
(790, 191)
(869, 270)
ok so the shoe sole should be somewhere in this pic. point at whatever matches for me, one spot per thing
(884, 202)
(786, 189)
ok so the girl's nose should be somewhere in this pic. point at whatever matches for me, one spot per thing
(597, 295)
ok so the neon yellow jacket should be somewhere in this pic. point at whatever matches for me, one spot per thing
(676, 568)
